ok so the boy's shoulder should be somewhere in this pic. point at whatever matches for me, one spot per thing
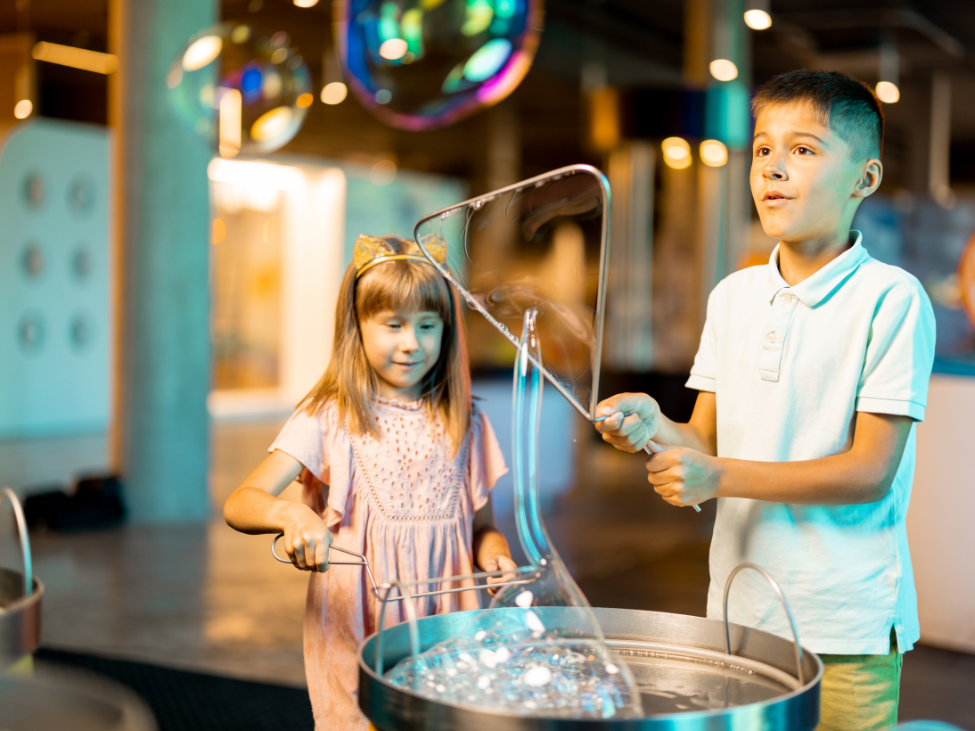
(872, 279)
(742, 282)
(886, 278)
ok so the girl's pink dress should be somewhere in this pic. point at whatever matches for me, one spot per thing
(402, 501)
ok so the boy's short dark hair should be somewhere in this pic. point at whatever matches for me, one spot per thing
(848, 106)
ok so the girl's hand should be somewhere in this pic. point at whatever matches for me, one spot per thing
(632, 419)
(502, 562)
(306, 539)
(684, 476)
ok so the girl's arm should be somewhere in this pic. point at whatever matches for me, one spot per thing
(491, 552)
(254, 508)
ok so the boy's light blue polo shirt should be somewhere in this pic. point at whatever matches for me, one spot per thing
(790, 367)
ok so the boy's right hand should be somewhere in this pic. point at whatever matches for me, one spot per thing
(632, 420)
(306, 539)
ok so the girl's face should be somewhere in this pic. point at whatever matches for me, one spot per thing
(401, 347)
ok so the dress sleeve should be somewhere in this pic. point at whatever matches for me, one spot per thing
(704, 371)
(323, 448)
(486, 460)
(305, 437)
(899, 355)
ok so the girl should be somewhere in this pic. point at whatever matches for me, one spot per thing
(395, 462)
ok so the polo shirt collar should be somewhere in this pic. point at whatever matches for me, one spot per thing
(816, 288)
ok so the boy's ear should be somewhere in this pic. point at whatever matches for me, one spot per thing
(870, 177)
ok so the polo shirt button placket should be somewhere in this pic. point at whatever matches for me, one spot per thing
(779, 319)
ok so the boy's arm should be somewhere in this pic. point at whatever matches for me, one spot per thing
(635, 418)
(862, 474)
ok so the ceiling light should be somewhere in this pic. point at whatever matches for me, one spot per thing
(202, 52)
(306, 3)
(723, 70)
(272, 124)
(23, 108)
(758, 19)
(78, 58)
(888, 92)
(334, 93)
(394, 49)
(677, 153)
(713, 153)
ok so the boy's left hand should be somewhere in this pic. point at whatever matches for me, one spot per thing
(684, 476)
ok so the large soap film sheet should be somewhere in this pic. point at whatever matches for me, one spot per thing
(543, 244)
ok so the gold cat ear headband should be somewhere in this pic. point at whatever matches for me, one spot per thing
(371, 250)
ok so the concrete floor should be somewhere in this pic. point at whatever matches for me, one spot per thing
(202, 597)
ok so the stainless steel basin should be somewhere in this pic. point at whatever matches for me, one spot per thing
(686, 679)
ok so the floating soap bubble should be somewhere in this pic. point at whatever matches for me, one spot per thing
(539, 650)
(241, 91)
(422, 64)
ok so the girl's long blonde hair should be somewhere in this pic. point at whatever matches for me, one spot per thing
(402, 285)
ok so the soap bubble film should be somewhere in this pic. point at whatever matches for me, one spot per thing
(517, 657)
(242, 91)
(540, 244)
(422, 64)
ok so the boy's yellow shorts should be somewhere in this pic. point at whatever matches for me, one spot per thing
(860, 692)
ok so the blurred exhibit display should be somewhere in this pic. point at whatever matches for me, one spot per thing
(423, 64)
(243, 92)
(282, 236)
(54, 280)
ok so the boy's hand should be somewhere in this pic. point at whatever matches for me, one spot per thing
(684, 476)
(306, 539)
(500, 563)
(632, 420)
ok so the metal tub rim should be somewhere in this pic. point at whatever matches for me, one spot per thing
(801, 703)
(20, 619)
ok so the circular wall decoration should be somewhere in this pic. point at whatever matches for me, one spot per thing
(33, 190)
(81, 196)
(32, 260)
(81, 331)
(30, 332)
(81, 263)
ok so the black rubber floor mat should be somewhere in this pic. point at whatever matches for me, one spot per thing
(185, 701)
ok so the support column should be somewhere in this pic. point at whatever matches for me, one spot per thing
(629, 342)
(160, 434)
(939, 148)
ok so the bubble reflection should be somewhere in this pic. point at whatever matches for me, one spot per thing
(240, 90)
(421, 64)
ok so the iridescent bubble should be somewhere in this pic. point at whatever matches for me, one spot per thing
(421, 64)
(241, 91)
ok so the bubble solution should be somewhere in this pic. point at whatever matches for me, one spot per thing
(513, 663)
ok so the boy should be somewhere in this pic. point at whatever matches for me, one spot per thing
(812, 371)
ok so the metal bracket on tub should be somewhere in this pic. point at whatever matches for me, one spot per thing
(778, 590)
(524, 574)
(24, 540)
(381, 591)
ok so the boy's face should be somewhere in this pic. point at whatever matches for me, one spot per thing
(805, 184)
